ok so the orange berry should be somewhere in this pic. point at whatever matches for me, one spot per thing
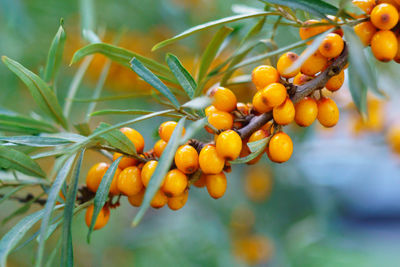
(114, 183)
(201, 182)
(335, 82)
(384, 45)
(95, 175)
(176, 203)
(365, 5)
(159, 200)
(102, 218)
(147, 171)
(258, 135)
(242, 108)
(187, 159)
(284, 114)
(167, 128)
(365, 31)
(274, 94)
(159, 147)
(221, 120)
(130, 181)
(332, 46)
(306, 112)
(314, 64)
(209, 160)
(285, 62)
(216, 185)
(175, 182)
(280, 147)
(259, 104)
(308, 32)
(264, 75)
(301, 79)
(223, 99)
(384, 16)
(395, 3)
(125, 161)
(135, 137)
(229, 145)
(136, 200)
(328, 112)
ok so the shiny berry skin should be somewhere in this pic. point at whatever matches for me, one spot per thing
(187, 159)
(159, 147)
(216, 185)
(229, 145)
(365, 31)
(301, 79)
(264, 75)
(284, 114)
(384, 45)
(223, 99)
(328, 112)
(209, 110)
(175, 182)
(335, 82)
(285, 62)
(259, 104)
(136, 200)
(306, 112)
(274, 94)
(243, 108)
(176, 203)
(114, 183)
(332, 46)
(221, 120)
(147, 171)
(365, 5)
(314, 64)
(102, 218)
(209, 160)
(159, 200)
(384, 16)
(201, 182)
(135, 137)
(125, 162)
(130, 181)
(280, 147)
(95, 175)
(308, 32)
(258, 135)
(166, 129)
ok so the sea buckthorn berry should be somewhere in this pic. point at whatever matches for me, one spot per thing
(209, 110)
(384, 45)
(285, 62)
(147, 171)
(328, 112)
(365, 5)
(130, 181)
(306, 112)
(395, 3)
(259, 104)
(135, 137)
(159, 147)
(223, 99)
(258, 135)
(221, 120)
(95, 175)
(301, 79)
(209, 160)
(280, 147)
(114, 183)
(274, 94)
(136, 200)
(264, 75)
(102, 218)
(243, 108)
(125, 162)
(284, 114)
(308, 32)
(365, 31)
(176, 203)
(159, 200)
(175, 182)
(167, 128)
(335, 82)
(314, 64)
(201, 182)
(384, 16)
(229, 145)
(332, 46)
(216, 185)
(187, 159)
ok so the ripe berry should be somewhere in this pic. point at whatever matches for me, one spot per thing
(395, 3)
(365, 31)
(335, 82)
(264, 75)
(216, 185)
(130, 181)
(365, 5)
(159, 200)
(384, 16)
(187, 159)
(243, 108)
(332, 46)
(147, 171)
(258, 135)
(114, 183)
(175, 182)
(95, 175)
(166, 129)
(102, 218)
(209, 160)
(136, 200)
(314, 64)
(280, 147)
(125, 161)
(259, 104)
(306, 112)
(384, 45)
(274, 94)
(176, 203)
(285, 62)
(301, 79)
(308, 32)
(284, 114)
(159, 147)
(328, 112)
(135, 137)
(201, 182)
(223, 99)
(221, 120)
(229, 145)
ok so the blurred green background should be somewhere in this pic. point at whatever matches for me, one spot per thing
(335, 203)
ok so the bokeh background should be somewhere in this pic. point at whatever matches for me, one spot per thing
(335, 203)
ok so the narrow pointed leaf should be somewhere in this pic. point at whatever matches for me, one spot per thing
(35, 141)
(198, 103)
(16, 160)
(193, 129)
(316, 7)
(10, 193)
(256, 148)
(55, 55)
(182, 75)
(21, 124)
(117, 139)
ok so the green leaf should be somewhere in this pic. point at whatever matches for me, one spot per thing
(193, 129)
(316, 7)
(20, 124)
(35, 141)
(182, 75)
(198, 103)
(130, 112)
(163, 166)
(15, 160)
(43, 95)
(257, 148)
(116, 139)
(49, 207)
(211, 24)
(102, 194)
(358, 90)
(55, 55)
(12, 192)
(152, 79)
